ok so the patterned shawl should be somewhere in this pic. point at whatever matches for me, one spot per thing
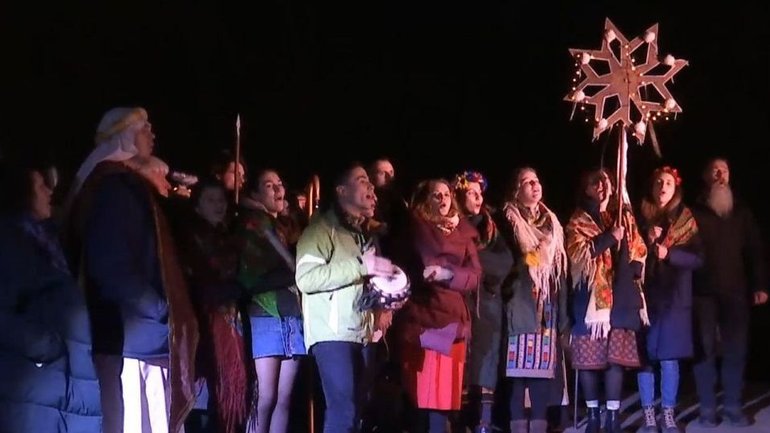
(258, 256)
(542, 243)
(682, 230)
(211, 260)
(598, 272)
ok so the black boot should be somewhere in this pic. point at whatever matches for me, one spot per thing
(594, 423)
(612, 422)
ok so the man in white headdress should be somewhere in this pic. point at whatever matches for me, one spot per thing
(145, 334)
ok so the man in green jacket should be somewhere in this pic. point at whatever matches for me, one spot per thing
(335, 254)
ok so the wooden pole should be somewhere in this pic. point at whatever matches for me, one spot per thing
(620, 174)
(237, 162)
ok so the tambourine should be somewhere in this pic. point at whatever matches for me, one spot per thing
(391, 293)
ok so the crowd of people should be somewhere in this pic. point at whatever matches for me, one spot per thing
(121, 308)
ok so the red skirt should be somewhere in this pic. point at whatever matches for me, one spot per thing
(434, 380)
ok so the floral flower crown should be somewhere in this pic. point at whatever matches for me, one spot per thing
(462, 181)
(671, 171)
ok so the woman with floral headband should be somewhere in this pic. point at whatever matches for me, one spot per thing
(487, 315)
(536, 311)
(607, 259)
(671, 235)
(434, 325)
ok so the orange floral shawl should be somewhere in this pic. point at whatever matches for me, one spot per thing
(598, 272)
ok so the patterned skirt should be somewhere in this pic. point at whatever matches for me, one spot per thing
(534, 355)
(619, 348)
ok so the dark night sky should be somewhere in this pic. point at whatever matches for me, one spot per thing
(411, 79)
(436, 85)
(408, 79)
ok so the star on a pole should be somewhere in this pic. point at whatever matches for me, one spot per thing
(626, 79)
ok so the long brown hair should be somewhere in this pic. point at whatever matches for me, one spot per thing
(420, 203)
(649, 207)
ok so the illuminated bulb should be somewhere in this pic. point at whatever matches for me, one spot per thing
(609, 35)
(582, 108)
(649, 37)
(602, 124)
(670, 104)
(579, 96)
(669, 60)
(640, 128)
(585, 58)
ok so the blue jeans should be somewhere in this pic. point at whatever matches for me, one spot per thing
(345, 376)
(669, 384)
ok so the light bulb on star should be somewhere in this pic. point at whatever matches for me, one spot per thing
(626, 78)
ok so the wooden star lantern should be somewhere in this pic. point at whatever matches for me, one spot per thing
(626, 79)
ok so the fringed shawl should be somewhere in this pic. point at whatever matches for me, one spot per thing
(598, 272)
(542, 244)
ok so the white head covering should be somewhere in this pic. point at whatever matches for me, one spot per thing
(115, 138)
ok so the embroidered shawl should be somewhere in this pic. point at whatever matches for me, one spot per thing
(682, 230)
(542, 244)
(598, 272)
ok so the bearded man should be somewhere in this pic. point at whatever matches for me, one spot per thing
(731, 280)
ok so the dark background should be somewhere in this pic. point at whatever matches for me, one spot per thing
(439, 86)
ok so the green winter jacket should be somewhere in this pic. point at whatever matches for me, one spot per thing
(330, 275)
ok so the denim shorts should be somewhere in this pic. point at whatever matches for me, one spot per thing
(277, 336)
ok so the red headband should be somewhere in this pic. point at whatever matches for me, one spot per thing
(670, 171)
